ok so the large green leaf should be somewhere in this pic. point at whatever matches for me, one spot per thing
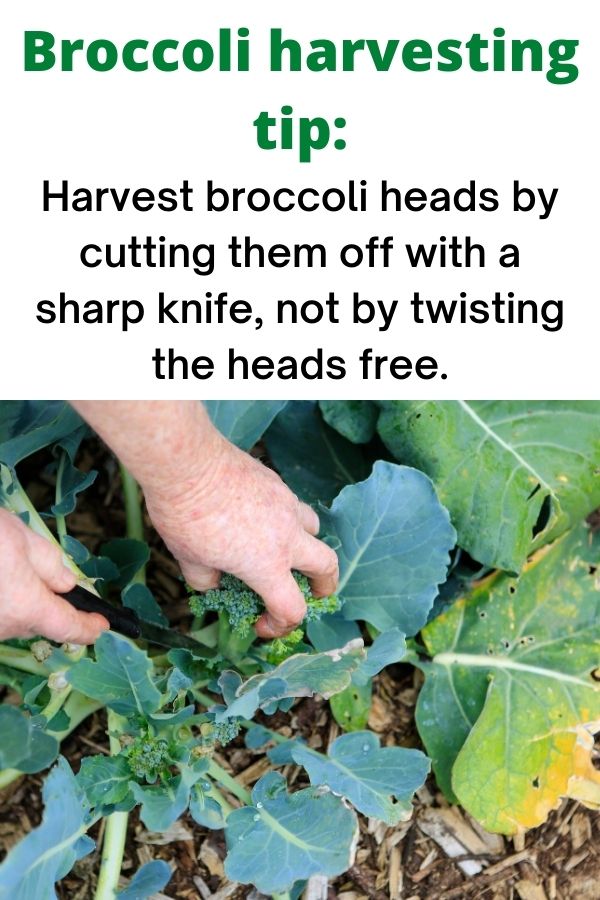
(283, 837)
(379, 781)
(510, 701)
(514, 474)
(121, 676)
(243, 421)
(24, 746)
(393, 539)
(301, 675)
(48, 853)
(312, 458)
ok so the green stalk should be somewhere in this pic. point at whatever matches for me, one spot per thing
(133, 513)
(115, 834)
(229, 783)
(61, 525)
(23, 660)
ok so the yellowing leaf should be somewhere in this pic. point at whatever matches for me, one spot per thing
(511, 704)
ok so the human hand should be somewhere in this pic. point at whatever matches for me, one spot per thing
(32, 574)
(236, 515)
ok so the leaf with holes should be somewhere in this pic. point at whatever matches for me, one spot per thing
(511, 701)
(514, 474)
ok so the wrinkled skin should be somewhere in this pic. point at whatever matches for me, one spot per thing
(32, 574)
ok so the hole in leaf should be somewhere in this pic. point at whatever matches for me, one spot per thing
(482, 614)
(596, 674)
(543, 516)
(505, 643)
(537, 488)
(592, 570)
(512, 589)
(536, 782)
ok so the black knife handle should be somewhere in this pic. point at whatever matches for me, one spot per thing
(120, 619)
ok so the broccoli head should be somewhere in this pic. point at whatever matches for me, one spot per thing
(243, 606)
(147, 756)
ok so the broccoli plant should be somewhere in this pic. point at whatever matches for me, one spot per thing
(494, 646)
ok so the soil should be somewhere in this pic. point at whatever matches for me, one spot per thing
(559, 860)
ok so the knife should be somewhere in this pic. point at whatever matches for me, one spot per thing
(125, 621)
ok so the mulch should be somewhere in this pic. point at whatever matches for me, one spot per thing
(440, 854)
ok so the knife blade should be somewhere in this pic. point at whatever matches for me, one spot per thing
(125, 621)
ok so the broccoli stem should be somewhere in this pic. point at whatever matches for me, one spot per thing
(229, 783)
(61, 525)
(22, 660)
(133, 513)
(115, 834)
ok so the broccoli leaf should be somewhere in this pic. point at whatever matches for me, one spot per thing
(105, 779)
(121, 677)
(206, 811)
(48, 853)
(70, 482)
(149, 879)
(25, 746)
(313, 459)
(243, 421)
(393, 539)
(128, 555)
(370, 776)
(514, 474)
(510, 703)
(351, 708)
(356, 420)
(162, 804)
(27, 426)
(301, 675)
(282, 838)
(141, 600)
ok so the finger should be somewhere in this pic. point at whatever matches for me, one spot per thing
(320, 563)
(57, 620)
(48, 562)
(285, 606)
(309, 519)
(201, 578)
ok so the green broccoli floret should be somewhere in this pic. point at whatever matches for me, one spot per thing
(219, 732)
(279, 649)
(243, 607)
(146, 756)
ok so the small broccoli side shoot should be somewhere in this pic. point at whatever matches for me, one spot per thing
(243, 606)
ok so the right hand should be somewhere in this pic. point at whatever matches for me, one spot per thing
(32, 575)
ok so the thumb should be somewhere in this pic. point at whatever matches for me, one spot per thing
(47, 561)
(57, 620)
(285, 606)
